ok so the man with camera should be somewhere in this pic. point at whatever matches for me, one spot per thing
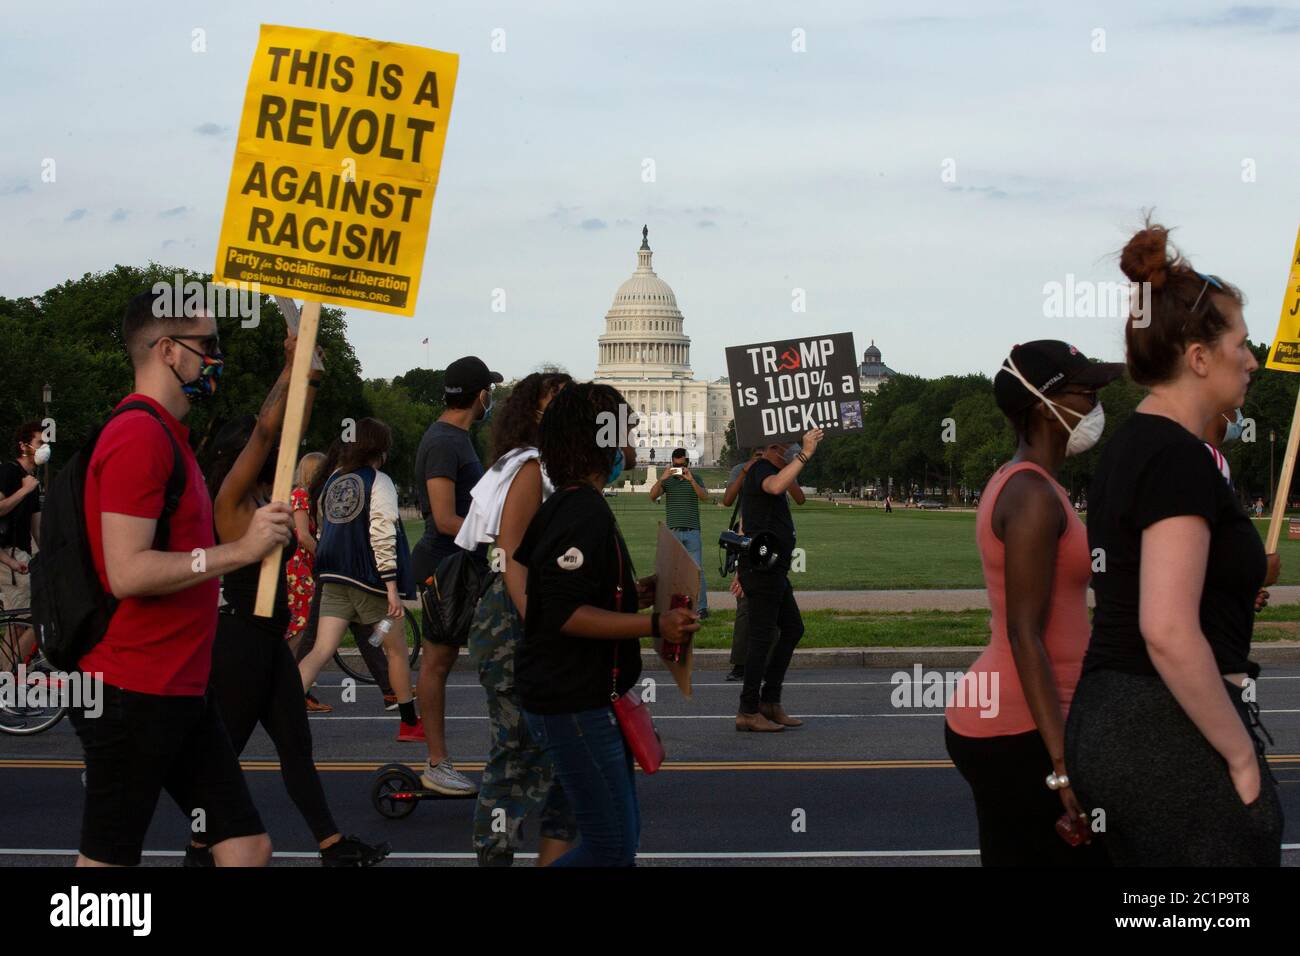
(775, 623)
(684, 492)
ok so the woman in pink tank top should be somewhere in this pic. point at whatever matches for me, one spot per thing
(1005, 727)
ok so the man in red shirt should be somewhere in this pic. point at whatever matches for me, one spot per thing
(157, 730)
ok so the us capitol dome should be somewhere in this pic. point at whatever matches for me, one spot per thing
(645, 355)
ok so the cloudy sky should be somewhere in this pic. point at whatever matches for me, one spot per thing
(822, 170)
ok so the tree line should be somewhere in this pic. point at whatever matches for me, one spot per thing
(944, 437)
(940, 437)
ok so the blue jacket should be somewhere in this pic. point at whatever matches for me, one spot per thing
(362, 542)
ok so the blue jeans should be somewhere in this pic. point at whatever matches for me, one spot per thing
(690, 539)
(594, 767)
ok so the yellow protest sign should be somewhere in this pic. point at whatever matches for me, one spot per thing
(1285, 353)
(340, 144)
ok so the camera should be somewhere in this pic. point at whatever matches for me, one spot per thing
(761, 549)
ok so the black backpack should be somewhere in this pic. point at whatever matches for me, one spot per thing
(452, 595)
(70, 610)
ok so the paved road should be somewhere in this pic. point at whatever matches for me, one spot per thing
(873, 782)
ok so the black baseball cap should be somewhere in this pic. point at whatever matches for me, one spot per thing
(468, 374)
(1048, 365)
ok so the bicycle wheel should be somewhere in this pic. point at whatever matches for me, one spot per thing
(38, 699)
(354, 666)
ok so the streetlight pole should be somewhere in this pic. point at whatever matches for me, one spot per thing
(47, 396)
(1271, 437)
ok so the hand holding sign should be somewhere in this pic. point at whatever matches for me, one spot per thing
(811, 440)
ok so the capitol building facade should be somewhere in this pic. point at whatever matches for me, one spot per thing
(645, 355)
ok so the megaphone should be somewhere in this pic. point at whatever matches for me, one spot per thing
(761, 549)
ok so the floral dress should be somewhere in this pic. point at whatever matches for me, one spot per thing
(298, 572)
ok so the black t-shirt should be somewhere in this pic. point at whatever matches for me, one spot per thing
(445, 452)
(1152, 469)
(571, 550)
(764, 512)
(16, 526)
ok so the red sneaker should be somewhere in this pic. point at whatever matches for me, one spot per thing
(411, 732)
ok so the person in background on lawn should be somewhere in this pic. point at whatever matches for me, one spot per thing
(1005, 728)
(20, 522)
(683, 493)
(519, 778)
(363, 565)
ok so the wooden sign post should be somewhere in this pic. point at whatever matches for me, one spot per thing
(336, 163)
(1284, 355)
(290, 437)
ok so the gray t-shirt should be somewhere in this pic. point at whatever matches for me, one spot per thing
(445, 452)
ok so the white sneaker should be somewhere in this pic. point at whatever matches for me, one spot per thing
(447, 780)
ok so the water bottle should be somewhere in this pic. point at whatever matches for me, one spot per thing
(380, 632)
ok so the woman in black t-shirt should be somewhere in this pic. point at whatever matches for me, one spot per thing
(581, 645)
(1160, 736)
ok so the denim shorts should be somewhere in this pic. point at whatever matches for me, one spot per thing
(142, 744)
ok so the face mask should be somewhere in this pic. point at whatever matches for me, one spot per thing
(616, 469)
(487, 409)
(43, 453)
(205, 384)
(1083, 435)
(1232, 434)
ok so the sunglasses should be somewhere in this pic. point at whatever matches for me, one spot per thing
(211, 344)
(1209, 281)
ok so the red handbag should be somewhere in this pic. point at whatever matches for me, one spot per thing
(633, 715)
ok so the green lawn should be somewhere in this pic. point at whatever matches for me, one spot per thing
(853, 548)
(925, 628)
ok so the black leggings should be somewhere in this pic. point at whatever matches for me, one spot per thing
(775, 627)
(1016, 811)
(374, 657)
(255, 680)
(1131, 750)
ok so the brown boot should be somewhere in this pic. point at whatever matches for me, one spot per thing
(776, 713)
(757, 723)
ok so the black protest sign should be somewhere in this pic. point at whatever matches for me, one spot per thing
(782, 389)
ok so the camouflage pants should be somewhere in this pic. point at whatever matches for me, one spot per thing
(518, 778)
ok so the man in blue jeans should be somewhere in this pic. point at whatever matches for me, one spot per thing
(683, 494)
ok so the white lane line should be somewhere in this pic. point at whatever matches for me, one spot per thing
(756, 855)
(672, 716)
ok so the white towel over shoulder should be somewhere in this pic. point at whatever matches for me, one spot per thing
(483, 522)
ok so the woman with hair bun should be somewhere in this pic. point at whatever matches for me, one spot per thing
(1162, 733)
